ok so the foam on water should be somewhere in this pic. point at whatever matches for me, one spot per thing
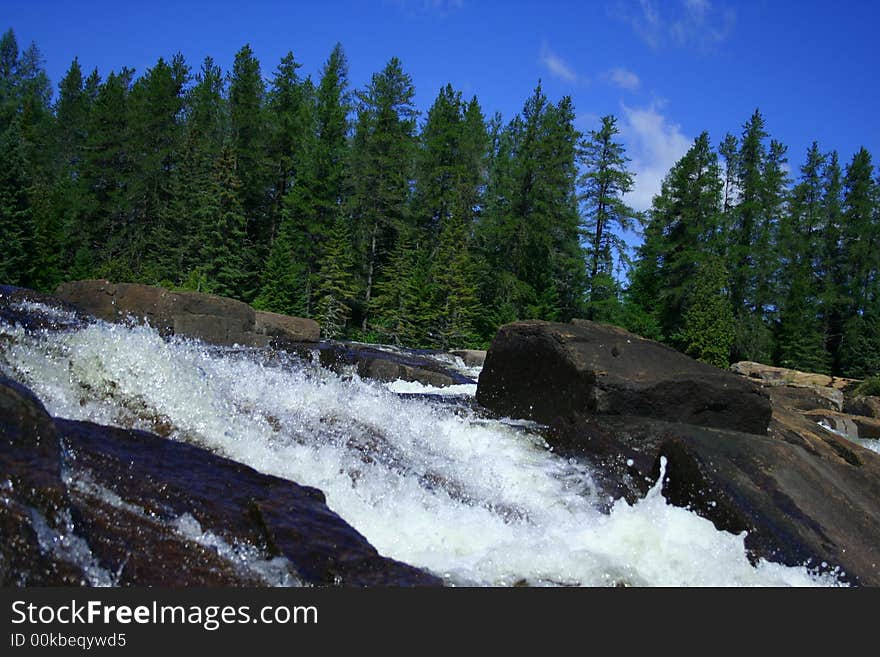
(475, 501)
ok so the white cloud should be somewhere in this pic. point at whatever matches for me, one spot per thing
(696, 23)
(623, 78)
(557, 66)
(654, 144)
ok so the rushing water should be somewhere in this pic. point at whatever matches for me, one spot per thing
(432, 484)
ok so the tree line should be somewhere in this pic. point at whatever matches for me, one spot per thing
(745, 260)
(310, 198)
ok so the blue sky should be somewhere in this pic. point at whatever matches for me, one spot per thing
(667, 68)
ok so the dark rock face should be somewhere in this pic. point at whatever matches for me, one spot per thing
(543, 370)
(214, 319)
(803, 494)
(82, 503)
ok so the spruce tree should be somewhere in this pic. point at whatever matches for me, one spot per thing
(800, 340)
(683, 231)
(16, 223)
(381, 167)
(336, 289)
(225, 239)
(708, 327)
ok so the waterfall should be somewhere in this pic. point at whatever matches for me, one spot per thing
(428, 482)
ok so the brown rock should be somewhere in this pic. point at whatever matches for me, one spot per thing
(769, 375)
(216, 320)
(283, 327)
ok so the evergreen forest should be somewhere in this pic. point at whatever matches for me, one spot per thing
(431, 228)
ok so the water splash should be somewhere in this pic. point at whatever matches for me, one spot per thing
(475, 501)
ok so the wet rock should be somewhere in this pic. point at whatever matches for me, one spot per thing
(803, 494)
(543, 370)
(471, 357)
(91, 504)
(285, 328)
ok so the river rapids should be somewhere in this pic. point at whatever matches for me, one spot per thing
(428, 480)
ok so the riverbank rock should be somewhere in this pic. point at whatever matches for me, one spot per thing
(769, 375)
(213, 319)
(543, 370)
(806, 398)
(83, 504)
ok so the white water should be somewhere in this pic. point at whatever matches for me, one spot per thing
(475, 501)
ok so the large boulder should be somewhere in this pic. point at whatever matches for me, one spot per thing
(544, 370)
(213, 319)
(125, 507)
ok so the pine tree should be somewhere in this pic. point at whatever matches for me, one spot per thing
(315, 200)
(830, 266)
(604, 182)
(752, 237)
(248, 128)
(105, 176)
(859, 351)
(156, 106)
